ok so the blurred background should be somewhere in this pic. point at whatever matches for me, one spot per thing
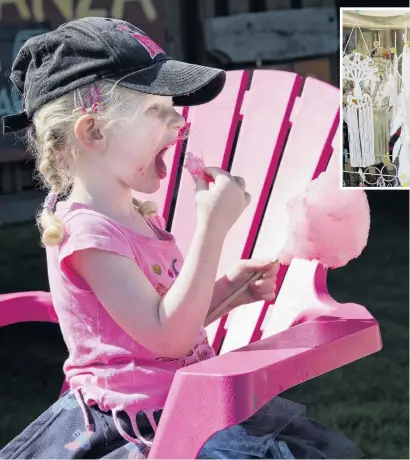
(368, 400)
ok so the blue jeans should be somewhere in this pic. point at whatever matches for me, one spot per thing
(277, 430)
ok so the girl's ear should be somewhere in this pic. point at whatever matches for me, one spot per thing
(90, 134)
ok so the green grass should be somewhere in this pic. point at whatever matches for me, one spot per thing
(368, 400)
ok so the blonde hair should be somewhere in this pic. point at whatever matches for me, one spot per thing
(52, 143)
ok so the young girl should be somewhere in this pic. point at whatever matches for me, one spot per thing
(98, 104)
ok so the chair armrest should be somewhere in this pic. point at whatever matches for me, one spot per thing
(223, 391)
(28, 306)
(23, 307)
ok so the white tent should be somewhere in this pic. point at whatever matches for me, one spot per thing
(392, 18)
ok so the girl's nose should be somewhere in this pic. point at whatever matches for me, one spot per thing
(177, 122)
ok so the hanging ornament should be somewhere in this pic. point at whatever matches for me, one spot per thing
(359, 69)
(395, 76)
(359, 119)
(359, 73)
(380, 182)
(385, 86)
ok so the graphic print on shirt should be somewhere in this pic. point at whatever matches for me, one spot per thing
(156, 268)
(172, 271)
(200, 352)
(82, 440)
(161, 289)
(165, 360)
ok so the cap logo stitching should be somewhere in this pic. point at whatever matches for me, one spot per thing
(152, 48)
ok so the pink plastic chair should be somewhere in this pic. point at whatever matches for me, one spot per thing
(264, 349)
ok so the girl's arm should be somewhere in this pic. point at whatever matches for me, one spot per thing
(167, 326)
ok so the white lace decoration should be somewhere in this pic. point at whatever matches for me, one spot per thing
(360, 70)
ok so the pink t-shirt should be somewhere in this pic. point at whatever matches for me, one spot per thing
(109, 367)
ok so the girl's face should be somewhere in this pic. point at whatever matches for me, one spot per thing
(132, 155)
(135, 154)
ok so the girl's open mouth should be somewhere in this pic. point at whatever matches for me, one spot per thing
(160, 166)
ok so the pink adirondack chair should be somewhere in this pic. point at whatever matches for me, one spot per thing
(264, 349)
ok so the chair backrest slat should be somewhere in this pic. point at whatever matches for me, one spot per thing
(262, 136)
(212, 130)
(265, 124)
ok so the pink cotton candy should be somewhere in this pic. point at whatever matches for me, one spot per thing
(327, 224)
(195, 165)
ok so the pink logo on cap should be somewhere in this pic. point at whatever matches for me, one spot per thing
(152, 48)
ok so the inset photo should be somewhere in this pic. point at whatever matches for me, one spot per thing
(375, 82)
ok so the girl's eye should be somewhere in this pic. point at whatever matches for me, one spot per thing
(154, 108)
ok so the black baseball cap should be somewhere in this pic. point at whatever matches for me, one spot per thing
(94, 48)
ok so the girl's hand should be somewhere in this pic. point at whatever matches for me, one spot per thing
(220, 203)
(261, 289)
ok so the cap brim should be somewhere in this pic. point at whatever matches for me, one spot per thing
(188, 84)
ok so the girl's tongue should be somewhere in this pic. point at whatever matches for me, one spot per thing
(160, 166)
